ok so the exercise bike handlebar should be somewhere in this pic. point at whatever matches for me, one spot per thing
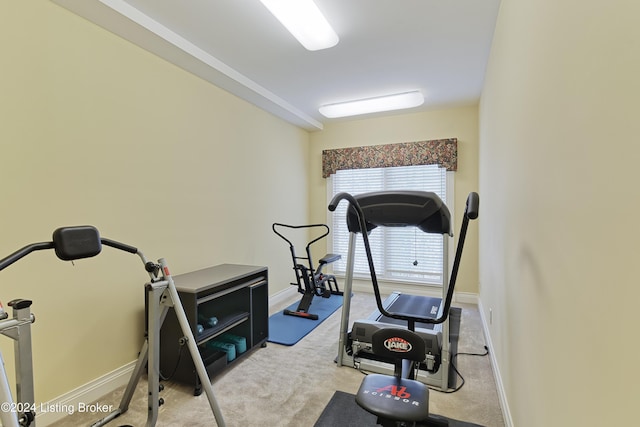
(71, 243)
(277, 224)
(470, 213)
(473, 206)
(119, 245)
(21, 253)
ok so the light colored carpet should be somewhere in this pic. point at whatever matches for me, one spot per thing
(290, 386)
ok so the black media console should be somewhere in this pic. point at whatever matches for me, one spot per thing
(227, 307)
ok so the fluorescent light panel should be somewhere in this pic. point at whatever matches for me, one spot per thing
(378, 104)
(304, 21)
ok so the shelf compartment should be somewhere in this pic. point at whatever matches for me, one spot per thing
(237, 295)
(225, 324)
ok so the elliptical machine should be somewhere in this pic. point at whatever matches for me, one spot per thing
(399, 399)
(311, 282)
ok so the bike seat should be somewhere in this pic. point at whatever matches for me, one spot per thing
(329, 258)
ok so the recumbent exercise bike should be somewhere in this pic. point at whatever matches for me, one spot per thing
(311, 282)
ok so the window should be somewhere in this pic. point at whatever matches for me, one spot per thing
(404, 253)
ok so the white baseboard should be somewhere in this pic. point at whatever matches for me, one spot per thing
(465, 298)
(282, 296)
(81, 397)
(385, 289)
(502, 396)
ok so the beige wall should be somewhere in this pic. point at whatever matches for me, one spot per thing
(97, 131)
(559, 228)
(461, 123)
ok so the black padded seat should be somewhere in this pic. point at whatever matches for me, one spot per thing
(393, 398)
(329, 258)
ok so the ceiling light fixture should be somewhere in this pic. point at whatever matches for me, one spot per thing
(378, 104)
(304, 21)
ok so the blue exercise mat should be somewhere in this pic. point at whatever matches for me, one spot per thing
(288, 330)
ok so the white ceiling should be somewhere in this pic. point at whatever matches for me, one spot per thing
(439, 47)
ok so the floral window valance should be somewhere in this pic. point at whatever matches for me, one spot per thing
(443, 152)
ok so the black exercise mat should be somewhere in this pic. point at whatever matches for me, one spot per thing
(343, 411)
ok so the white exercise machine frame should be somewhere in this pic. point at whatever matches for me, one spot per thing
(385, 206)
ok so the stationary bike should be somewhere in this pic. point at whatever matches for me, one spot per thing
(311, 282)
(400, 399)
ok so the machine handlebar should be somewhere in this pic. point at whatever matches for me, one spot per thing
(325, 231)
(71, 243)
(333, 204)
(118, 245)
(21, 253)
(473, 205)
(470, 213)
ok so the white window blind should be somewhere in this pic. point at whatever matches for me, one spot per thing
(399, 253)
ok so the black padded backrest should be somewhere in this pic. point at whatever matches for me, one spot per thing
(421, 209)
(76, 242)
(398, 343)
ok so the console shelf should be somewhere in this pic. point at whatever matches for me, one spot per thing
(237, 297)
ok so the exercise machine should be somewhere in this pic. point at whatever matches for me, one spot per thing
(425, 316)
(72, 243)
(400, 398)
(18, 328)
(311, 282)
